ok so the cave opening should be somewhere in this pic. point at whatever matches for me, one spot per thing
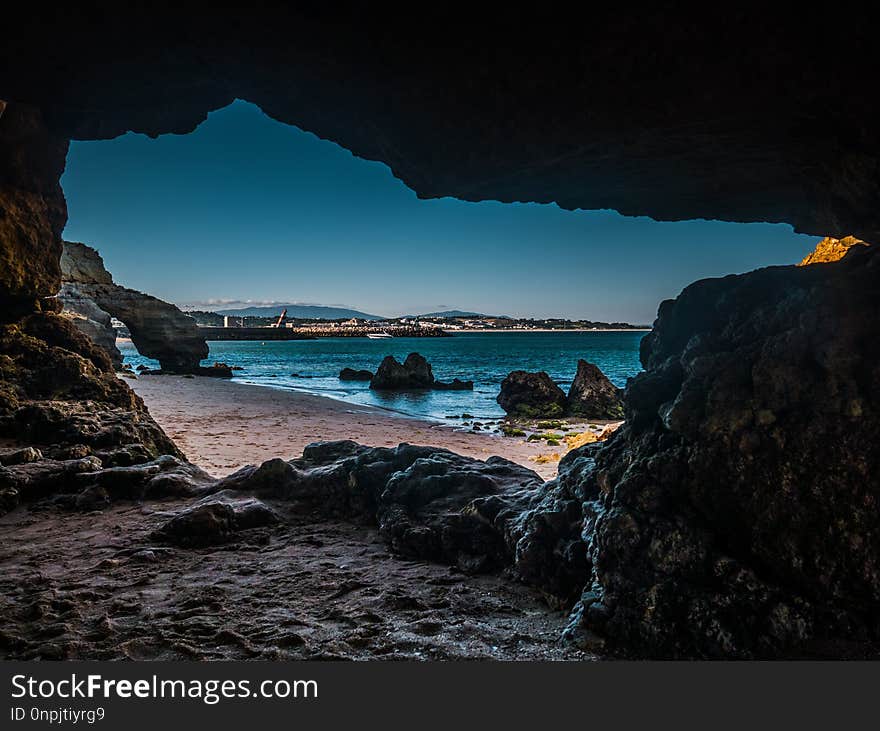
(246, 216)
(731, 515)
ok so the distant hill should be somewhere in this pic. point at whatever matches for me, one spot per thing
(461, 313)
(301, 312)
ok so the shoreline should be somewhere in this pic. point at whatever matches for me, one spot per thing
(224, 425)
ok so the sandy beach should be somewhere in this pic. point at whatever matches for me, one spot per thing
(223, 425)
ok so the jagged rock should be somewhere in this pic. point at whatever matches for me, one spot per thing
(33, 480)
(592, 395)
(527, 395)
(216, 519)
(830, 249)
(414, 373)
(158, 329)
(735, 511)
(429, 503)
(547, 539)
(350, 374)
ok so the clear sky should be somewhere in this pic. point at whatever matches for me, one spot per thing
(248, 209)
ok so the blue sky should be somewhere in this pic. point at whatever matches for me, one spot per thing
(248, 209)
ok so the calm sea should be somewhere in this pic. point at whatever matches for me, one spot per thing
(485, 358)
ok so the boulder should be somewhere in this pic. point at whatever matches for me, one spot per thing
(734, 514)
(215, 520)
(592, 395)
(350, 374)
(428, 503)
(527, 395)
(414, 373)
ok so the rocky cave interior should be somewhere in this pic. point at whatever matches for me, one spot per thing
(734, 515)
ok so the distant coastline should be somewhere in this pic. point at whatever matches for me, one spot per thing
(510, 330)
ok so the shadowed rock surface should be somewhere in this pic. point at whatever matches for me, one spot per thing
(159, 329)
(527, 395)
(675, 113)
(428, 503)
(592, 395)
(734, 514)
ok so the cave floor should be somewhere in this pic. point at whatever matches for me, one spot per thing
(96, 586)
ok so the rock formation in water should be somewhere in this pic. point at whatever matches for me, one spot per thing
(592, 395)
(350, 374)
(158, 329)
(830, 249)
(413, 374)
(527, 395)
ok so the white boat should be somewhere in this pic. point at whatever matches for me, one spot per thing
(379, 336)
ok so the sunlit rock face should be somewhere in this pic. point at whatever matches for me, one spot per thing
(158, 329)
(831, 249)
(735, 514)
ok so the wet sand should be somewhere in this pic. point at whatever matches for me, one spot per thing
(97, 586)
(222, 425)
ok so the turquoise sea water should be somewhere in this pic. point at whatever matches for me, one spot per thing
(486, 358)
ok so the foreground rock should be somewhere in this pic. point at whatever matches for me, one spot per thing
(413, 374)
(428, 503)
(527, 395)
(734, 514)
(90, 482)
(216, 519)
(592, 395)
(159, 329)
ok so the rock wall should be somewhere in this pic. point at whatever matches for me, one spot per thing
(735, 514)
(32, 209)
(672, 112)
(58, 390)
(158, 329)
